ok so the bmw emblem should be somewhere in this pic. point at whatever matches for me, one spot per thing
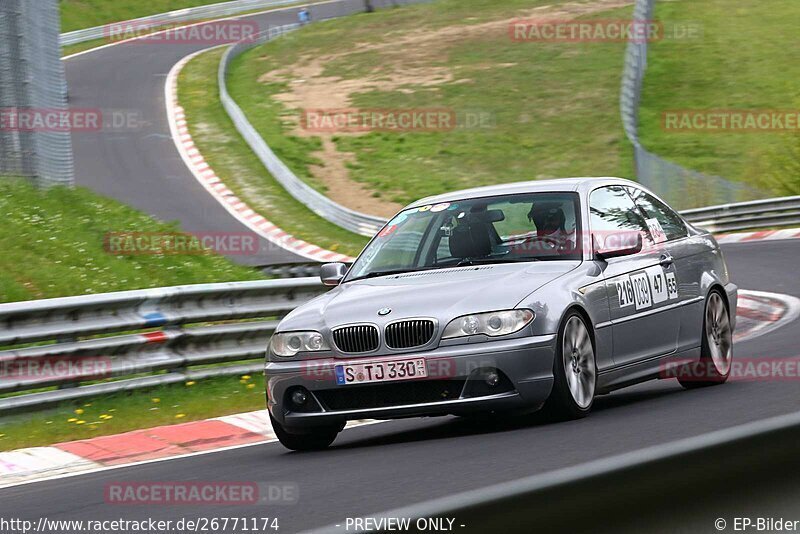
(384, 311)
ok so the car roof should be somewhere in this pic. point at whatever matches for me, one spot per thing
(583, 185)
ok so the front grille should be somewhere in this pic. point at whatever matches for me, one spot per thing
(355, 339)
(386, 395)
(408, 334)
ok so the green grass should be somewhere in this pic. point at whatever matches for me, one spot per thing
(177, 403)
(553, 106)
(79, 14)
(223, 148)
(52, 243)
(744, 60)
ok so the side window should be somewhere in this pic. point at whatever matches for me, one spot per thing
(670, 222)
(613, 214)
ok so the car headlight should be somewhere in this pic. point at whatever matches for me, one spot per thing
(290, 343)
(499, 323)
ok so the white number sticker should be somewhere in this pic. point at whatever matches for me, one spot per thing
(656, 231)
(672, 286)
(642, 294)
(658, 283)
(645, 288)
(625, 292)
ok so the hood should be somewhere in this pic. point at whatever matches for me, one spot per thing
(442, 294)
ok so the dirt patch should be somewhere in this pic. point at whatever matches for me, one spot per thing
(407, 63)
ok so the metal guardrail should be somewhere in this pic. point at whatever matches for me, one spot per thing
(767, 213)
(354, 221)
(54, 342)
(359, 223)
(326, 208)
(192, 14)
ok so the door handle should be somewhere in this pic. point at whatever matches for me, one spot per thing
(666, 260)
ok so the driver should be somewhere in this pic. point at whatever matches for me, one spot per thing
(550, 223)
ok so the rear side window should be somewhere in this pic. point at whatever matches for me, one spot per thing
(671, 222)
(613, 213)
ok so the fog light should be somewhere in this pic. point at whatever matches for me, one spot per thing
(299, 397)
(492, 379)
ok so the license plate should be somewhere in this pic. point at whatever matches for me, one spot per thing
(386, 371)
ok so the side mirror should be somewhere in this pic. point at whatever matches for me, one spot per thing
(332, 273)
(616, 246)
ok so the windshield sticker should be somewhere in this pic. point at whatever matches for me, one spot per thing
(656, 231)
(452, 207)
(440, 207)
(389, 230)
(400, 219)
(425, 208)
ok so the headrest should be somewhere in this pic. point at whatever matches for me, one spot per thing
(471, 240)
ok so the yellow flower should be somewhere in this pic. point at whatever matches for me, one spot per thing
(106, 416)
(92, 427)
(155, 400)
(250, 386)
(87, 405)
(79, 411)
(334, 247)
(190, 383)
(243, 381)
(112, 410)
(72, 419)
(246, 377)
(2, 435)
(81, 422)
(180, 415)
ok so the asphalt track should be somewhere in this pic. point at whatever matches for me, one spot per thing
(388, 465)
(133, 158)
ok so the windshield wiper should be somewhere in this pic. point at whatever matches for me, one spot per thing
(375, 274)
(484, 261)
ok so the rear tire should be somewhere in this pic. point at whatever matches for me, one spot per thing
(574, 371)
(313, 439)
(716, 349)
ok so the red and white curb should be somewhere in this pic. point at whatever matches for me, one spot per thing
(139, 446)
(217, 188)
(764, 235)
(759, 313)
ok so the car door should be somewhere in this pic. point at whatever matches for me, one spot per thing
(640, 295)
(691, 256)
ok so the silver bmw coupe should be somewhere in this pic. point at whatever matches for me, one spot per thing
(505, 299)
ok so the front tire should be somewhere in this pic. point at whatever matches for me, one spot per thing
(716, 352)
(574, 370)
(313, 439)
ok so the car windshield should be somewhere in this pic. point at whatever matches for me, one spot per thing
(500, 229)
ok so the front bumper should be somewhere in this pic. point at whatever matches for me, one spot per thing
(454, 385)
